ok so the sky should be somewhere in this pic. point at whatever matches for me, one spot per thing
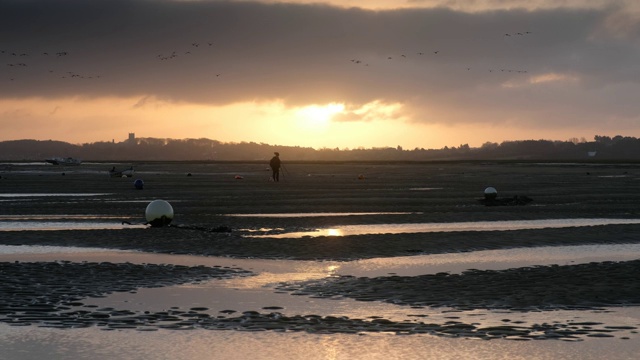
(322, 74)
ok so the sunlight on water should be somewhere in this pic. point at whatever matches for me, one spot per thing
(300, 215)
(489, 260)
(95, 344)
(50, 194)
(257, 292)
(447, 227)
(60, 217)
(44, 249)
(274, 271)
(53, 226)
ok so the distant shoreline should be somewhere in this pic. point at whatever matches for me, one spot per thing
(602, 148)
(340, 162)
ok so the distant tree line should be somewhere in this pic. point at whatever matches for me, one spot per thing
(154, 149)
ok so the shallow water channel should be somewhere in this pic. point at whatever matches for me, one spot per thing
(97, 222)
(257, 292)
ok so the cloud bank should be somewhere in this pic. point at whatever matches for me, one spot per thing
(537, 67)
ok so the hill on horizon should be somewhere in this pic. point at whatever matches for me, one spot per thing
(153, 149)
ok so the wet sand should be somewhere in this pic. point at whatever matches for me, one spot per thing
(202, 200)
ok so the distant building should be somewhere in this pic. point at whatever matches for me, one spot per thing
(132, 138)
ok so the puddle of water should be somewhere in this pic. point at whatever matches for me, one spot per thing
(262, 230)
(258, 292)
(53, 250)
(59, 217)
(96, 344)
(53, 226)
(23, 163)
(448, 227)
(301, 215)
(489, 260)
(50, 194)
(274, 271)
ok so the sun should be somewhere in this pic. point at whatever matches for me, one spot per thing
(317, 117)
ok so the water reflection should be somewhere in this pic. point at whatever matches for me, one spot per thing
(320, 214)
(96, 344)
(64, 225)
(46, 249)
(255, 293)
(347, 230)
(60, 217)
(50, 194)
(273, 271)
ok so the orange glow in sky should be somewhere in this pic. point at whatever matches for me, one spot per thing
(416, 74)
(77, 120)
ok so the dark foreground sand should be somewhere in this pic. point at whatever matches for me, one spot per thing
(433, 192)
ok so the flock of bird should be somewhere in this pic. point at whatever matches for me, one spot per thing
(193, 48)
(24, 59)
(436, 52)
(175, 53)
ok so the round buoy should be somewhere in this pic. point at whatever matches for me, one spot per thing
(138, 184)
(360, 177)
(159, 213)
(490, 193)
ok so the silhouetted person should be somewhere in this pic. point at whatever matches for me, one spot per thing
(275, 166)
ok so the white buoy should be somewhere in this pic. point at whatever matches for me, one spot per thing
(490, 193)
(159, 213)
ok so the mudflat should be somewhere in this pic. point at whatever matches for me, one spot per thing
(222, 209)
(203, 195)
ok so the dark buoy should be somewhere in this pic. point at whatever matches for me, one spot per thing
(189, 174)
(490, 193)
(138, 184)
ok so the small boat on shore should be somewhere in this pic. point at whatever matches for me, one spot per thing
(121, 173)
(64, 161)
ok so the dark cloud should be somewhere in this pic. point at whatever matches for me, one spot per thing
(480, 63)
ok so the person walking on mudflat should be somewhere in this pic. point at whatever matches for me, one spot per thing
(275, 166)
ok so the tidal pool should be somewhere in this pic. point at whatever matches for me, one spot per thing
(13, 195)
(346, 230)
(319, 214)
(92, 343)
(257, 292)
(64, 225)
